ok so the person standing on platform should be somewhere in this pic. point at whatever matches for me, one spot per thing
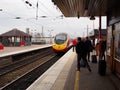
(81, 53)
(78, 51)
(74, 44)
(89, 47)
(103, 48)
(84, 53)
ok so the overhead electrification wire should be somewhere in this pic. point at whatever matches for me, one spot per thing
(45, 7)
(34, 6)
(37, 10)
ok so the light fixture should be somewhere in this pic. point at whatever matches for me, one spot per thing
(17, 17)
(92, 18)
(78, 15)
(43, 16)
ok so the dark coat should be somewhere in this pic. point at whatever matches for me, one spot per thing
(81, 48)
(103, 46)
(89, 45)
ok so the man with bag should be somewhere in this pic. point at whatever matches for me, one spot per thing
(89, 47)
(81, 51)
(78, 51)
(103, 49)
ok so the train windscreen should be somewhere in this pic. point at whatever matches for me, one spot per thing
(60, 39)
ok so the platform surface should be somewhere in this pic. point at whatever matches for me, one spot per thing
(15, 50)
(64, 76)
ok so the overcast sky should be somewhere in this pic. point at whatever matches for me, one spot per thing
(53, 22)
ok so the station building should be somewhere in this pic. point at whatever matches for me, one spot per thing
(15, 37)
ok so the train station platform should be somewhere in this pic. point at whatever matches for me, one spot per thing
(7, 51)
(64, 76)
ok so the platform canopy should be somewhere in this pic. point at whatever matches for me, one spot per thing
(81, 8)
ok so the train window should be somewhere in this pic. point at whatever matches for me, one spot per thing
(60, 39)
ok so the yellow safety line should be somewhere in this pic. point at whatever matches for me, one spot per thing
(77, 79)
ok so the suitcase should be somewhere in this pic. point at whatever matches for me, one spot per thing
(102, 67)
(94, 59)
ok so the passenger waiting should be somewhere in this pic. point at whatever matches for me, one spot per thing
(81, 51)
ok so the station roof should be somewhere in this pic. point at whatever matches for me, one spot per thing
(14, 32)
(84, 8)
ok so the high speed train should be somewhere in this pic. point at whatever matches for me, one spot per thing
(62, 42)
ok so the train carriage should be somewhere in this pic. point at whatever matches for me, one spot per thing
(61, 43)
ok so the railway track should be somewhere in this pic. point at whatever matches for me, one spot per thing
(24, 59)
(28, 72)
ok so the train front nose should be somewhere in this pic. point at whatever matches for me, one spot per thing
(59, 48)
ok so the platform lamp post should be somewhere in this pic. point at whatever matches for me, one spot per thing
(88, 30)
(50, 31)
(99, 36)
